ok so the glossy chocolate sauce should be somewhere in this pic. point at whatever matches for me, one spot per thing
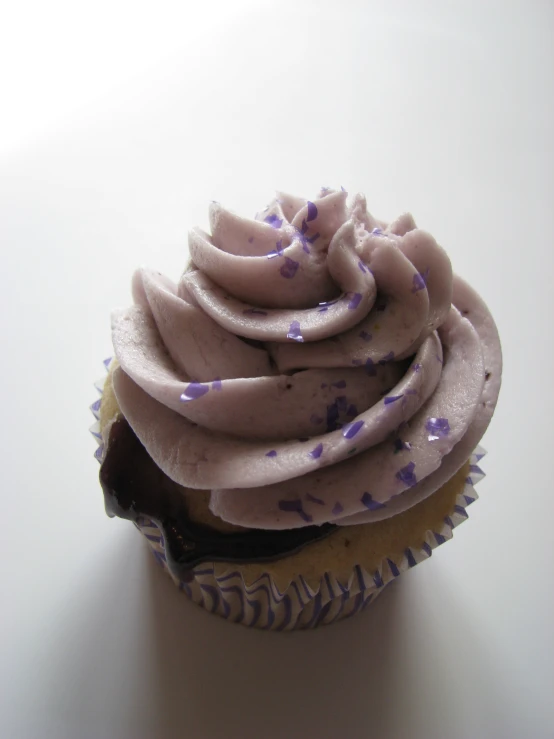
(134, 486)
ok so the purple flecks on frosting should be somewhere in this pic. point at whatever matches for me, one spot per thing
(254, 312)
(194, 390)
(420, 281)
(370, 367)
(278, 251)
(416, 367)
(377, 231)
(313, 499)
(352, 411)
(439, 359)
(387, 358)
(341, 384)
(272, 453)
(337, 508)
(288, 270)
(304, 228)
(317, 452)
(295, 506)
(295, 332)
(406, 475)
(274, 220)
(217, 384)
(362, 266)
(312, 211)
(437, 428)
(354, 301)
(351, 429)
(365, 335)
(370, 504)
(392, 399)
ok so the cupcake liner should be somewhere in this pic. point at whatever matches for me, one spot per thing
(223, 590)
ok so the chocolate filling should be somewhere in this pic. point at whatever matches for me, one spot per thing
(134, 486)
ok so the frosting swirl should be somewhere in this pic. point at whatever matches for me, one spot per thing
(313, 365)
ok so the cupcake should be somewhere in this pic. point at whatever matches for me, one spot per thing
(296, 421)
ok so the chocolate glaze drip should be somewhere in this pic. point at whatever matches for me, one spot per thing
(134, 486)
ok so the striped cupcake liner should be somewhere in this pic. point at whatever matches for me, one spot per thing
(262, 605)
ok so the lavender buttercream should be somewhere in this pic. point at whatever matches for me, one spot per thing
(312, 365)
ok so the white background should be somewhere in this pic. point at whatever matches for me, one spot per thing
(119, 122)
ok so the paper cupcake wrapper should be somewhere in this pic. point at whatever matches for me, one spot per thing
(222, 590)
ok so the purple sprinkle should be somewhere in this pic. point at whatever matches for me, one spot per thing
(313, 499)
(370, 504)
(416, 367)
(312, 212)
(341, 384)
(439, 359)
(216, 384)
(342, 188)
(351, 429)
(392, 399)
(278, 251)
(387, 358)
(352, 411)
(304, 228)
(370, 367)
(274, 221)
(251, 239)
(420, 281)
(362, 266)
(337, 508)
(341, 402)
(294, 332)
(315, 419)
(437, 428)
(288, 270)
(272, 453)
(407, 475)
(317, 452)
(354, 301)
(254, 312)
(365, 335)
(294, 506)
(194, 390)
(377, 231)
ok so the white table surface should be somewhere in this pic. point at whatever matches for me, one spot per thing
(120, 122)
